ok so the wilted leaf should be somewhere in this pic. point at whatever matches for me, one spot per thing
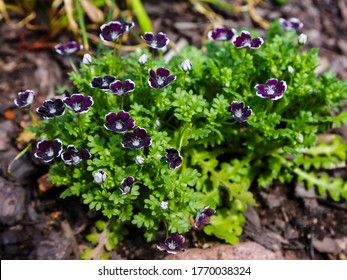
(94, 13)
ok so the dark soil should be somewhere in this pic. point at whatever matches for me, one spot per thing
(36, 224)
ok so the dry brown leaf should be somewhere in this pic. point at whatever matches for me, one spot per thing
(44, 184)
(25, 137)
(93, 12)
(10, 114)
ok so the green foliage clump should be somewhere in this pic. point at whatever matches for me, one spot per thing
(222, 158)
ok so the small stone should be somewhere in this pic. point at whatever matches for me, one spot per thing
(12, 200)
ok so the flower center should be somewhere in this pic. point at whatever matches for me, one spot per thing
(50, 152)
(52, 109)
(238, 113)
(120, 91)
(136, 142)
(104, 83)
(119, 125)
(154, 43)
(75, 159)
(247, 43)
(127, 189)
(114, 35)
(270, 90)
(160, 80)
(172, 245)
(76, 106)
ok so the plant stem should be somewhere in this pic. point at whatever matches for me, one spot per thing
(74, 68)
(79, 126)
(18, 157)
(82, 25)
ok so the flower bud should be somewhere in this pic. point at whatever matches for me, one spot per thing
(164, 205)
(186, 65)
(302, 39)
(139, 160)
(100, 176)
(143, 59)
(290, 69)
(87, 58)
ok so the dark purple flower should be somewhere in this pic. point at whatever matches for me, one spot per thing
(239, 111)
(119, 123)
(291, 24)
(273, 89)
(136, 140)
(173, 244)
(68, 48)
(173, 157)
(203, 217)
(114, 29)
(78, 103)
(127, 185)
(221, 33)
(160, 79)
(24, 98)
(245, 40)
(73, 156)
(102, 83)
(156, 41)
(51, 108)
(48, 150)
(121, 88)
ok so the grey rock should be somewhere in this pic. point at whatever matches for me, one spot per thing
(12, 198)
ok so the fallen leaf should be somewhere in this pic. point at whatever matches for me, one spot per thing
(10, 114)
(94, 13)
(44, 184)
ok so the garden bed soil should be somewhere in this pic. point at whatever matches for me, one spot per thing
(289, 221)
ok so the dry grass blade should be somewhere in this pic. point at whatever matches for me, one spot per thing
(93, 12)
(69, 13)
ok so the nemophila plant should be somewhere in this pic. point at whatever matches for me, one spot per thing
(180, 150)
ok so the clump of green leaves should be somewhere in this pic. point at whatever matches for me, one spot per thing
(222, 158)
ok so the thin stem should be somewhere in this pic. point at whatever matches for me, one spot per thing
(9, 171)
(82, 25)
(79, 126)
(74, 68)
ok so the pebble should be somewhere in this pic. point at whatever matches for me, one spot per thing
(12, 199)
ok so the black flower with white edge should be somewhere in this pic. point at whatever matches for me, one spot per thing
(221, 33)
(78, 103)
(127, 185)
(102, 83)
(173, 158)
(245, 40)
(161, 78)
(173, 244)
(158, 41)
(120, 122)
(51, 108)
(203, 217)
(239, 111)
(291, 24)
(272, 89)
(24, 98)
(136, 140)
(120, 88)
(48, 150)
(72, 156)
(114, 29)
(68, 48)
(100, 176)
